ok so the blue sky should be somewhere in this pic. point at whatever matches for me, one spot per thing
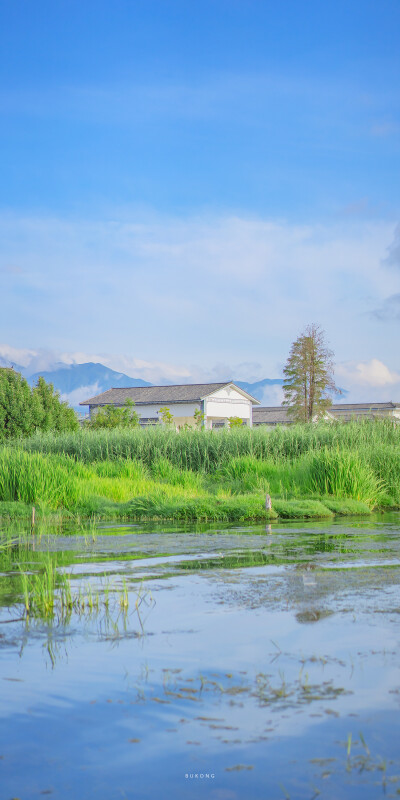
(186, 185)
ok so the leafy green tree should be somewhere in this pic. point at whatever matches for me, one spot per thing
(20, 412)
(166, 415)
(308, 376)
(198, 418)
(56, 414)
(113, 417)
(24, 410)
(235, 422)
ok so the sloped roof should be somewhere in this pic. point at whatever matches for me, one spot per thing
(143, 395)
(273, 415)
(363, 406)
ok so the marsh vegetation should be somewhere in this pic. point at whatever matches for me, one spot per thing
(309, 471)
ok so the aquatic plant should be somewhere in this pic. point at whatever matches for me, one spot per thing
(38, 589)
(47, 593)
(156, 473)
(209, 450)
(37, 478)
(342, 473)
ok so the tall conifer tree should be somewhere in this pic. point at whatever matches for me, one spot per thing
(308, 376)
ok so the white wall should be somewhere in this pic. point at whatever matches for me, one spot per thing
(228, 402)
(224, 403)
(176, 409)
(152, 409)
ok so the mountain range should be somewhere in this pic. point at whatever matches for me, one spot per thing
(77, 382)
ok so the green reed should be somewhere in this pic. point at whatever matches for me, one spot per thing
(48, 593)
(158, 473)
(31, 477)
(209, 450)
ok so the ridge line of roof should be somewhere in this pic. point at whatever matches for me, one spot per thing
(342, 405)
(172, 385)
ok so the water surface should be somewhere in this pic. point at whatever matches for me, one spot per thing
(251, 662)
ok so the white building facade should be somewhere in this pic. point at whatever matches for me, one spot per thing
(217, 402)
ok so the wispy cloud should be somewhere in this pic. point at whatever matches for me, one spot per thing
(393, 257)
(156, 372)
(389, 310)
(370, 380)
(215, 95)
(205, 290)
(385, 128)
(10, 269)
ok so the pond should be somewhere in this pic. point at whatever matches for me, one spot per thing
(217, 662)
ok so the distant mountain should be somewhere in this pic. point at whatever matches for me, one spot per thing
(77, 382)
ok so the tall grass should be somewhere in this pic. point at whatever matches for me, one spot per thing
(210, 450)
(342, 473)
(35, 477)
(158, 473)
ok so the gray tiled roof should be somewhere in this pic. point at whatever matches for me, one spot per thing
(140, 395)
(363, 406)
(274, 415)
(271, 415)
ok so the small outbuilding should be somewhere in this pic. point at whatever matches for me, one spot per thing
(218, 402)
(278, 415)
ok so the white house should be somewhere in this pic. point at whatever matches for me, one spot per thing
(217, 401)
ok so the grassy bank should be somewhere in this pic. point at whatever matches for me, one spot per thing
(309, 471)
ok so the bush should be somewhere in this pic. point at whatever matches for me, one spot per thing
(24, 410)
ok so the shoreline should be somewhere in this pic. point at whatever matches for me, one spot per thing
(282, 510)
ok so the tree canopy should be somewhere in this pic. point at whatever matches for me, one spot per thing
(113, 417)
(56, 414)
(24, 410)
(308, 376)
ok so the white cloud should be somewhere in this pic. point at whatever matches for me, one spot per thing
(168, 293)
(156, 372)
(272, 396)
(371, 373)
(393, 257)
(81, 394)
(371, 380)
(368, 381)
(17, 355)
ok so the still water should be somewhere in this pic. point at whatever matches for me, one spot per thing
(247, 662)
